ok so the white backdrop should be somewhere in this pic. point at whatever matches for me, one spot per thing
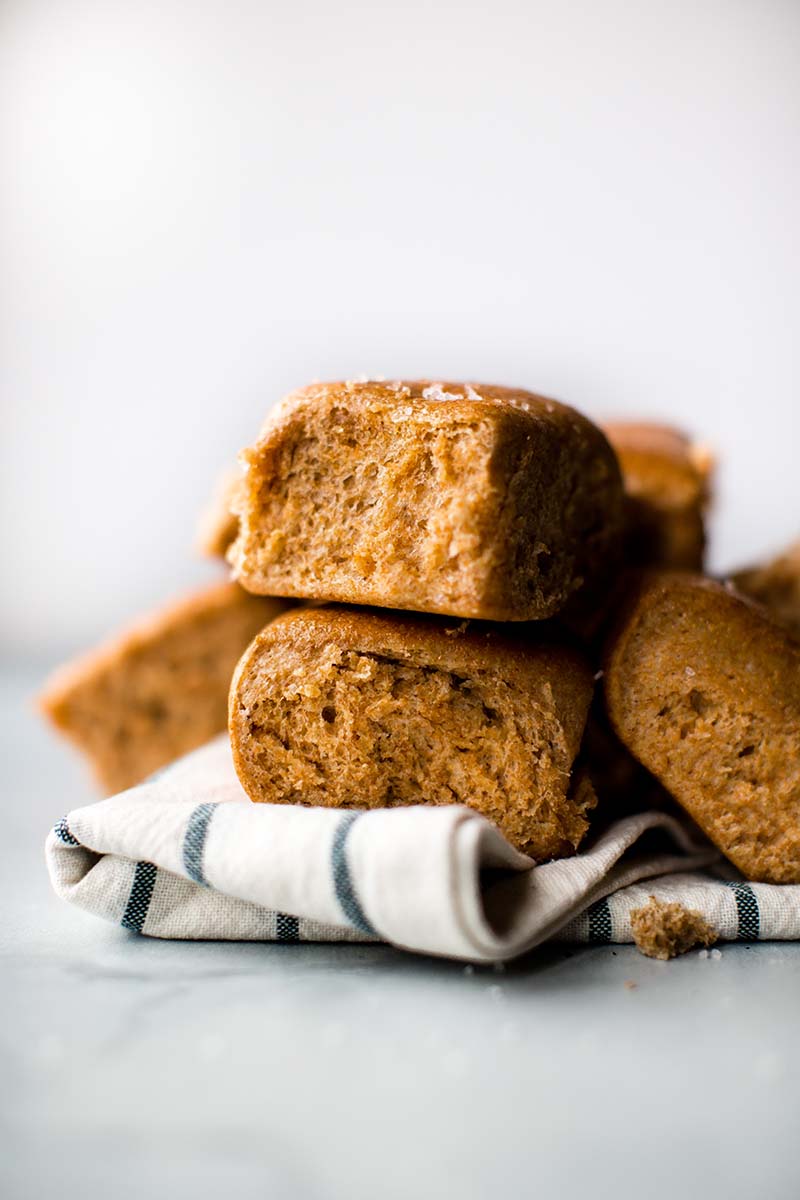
(203, 204)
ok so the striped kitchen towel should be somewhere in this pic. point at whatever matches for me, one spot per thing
(187, 855)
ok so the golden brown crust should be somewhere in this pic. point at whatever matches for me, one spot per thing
(159, 688)
(667, 481)
(705, 691)
(663, 929)
(468, 500)
(466, 645)
(776, 585)
(352, 708)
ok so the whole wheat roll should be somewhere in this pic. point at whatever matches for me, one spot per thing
(468, 500)
(704, 689)
(365, 709)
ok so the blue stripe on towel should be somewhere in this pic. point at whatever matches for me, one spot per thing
(287, 929)
(749, 915)
(194, 841)
(599, 915)
(135, 914)
(62, 832)
(342, 881)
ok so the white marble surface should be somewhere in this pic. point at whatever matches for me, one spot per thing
(133, 1068)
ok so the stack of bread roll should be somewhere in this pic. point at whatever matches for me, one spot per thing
(460, 594)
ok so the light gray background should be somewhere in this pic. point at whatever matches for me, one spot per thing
(204, 204)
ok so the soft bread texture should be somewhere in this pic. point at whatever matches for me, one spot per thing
(704, 690)
(472, 501)
(776, 585)
(160, 688)
(357, 709)
(667, 481)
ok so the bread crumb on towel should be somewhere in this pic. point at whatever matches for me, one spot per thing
(664, 930)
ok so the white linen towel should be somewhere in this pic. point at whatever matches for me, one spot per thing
(187, 855)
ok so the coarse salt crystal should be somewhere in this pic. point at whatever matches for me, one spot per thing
(437, 392)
